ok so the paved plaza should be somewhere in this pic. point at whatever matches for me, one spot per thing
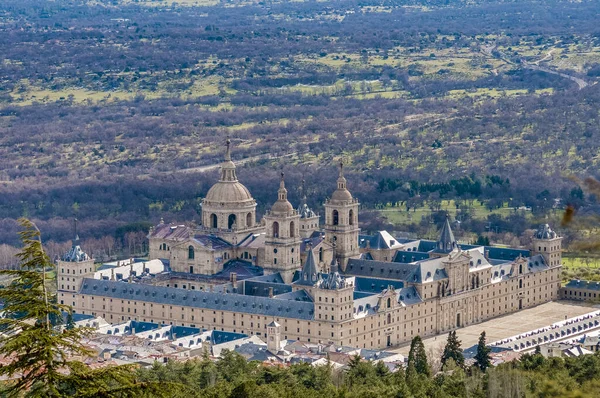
(510, 325)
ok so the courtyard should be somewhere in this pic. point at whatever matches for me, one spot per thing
(509, 325)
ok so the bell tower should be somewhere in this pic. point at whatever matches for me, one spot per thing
(282, 240)
(341, 221)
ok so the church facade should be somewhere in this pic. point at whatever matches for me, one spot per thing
(288, 277)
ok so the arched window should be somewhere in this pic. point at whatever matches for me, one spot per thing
(191, 253)
(213, 220)
(249, 219)
(351, 217)
(320, 254)
(389, 303)
(520, 268)
(336, 217)
(276, 229)
(520, 283)
(292, 233)
(231, 221)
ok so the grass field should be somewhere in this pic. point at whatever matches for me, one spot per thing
(399, 215)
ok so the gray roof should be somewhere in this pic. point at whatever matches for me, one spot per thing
(199, 299)
(579, 284)
(446, 243)
(373, 285)
(309, 274)
(537, 263)
(409, 296)
(298, 295)
(380, 269)
(545, 232)
(75, 254)
(409, 256)
(260, 288)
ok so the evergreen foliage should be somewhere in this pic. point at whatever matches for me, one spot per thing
(453, 351)
(417, 358)
(38, 350)
(482, 358)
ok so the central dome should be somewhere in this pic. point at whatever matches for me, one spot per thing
(228, 191)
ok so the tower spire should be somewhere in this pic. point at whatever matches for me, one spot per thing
(228, 151)
(282, 191)
(341, 182)
(76, 234)
(228, 167)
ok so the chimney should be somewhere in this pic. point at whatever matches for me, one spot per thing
(233, 278)
(271, 292)
(486, 254)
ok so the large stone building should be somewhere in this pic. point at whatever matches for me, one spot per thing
(324, 284)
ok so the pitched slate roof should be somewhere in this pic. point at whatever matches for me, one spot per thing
(171, 232)
(298, 295)
(409, 296)
(198, 299)
(579, 284)
(259, 288)
(446, 243)
(373, 285)
(309, 275)
(380, 269)
(381, 240)
(409, 257)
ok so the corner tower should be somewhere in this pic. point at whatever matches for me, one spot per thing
(548, 244)
(341, 221)
(228, 210)
(73, 267)
(282, 240)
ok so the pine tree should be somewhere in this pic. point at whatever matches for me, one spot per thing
(417, 358)
(482, 358)
(37, 350)
(453, 350)
(70, 323)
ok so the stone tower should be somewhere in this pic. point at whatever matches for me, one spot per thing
(273, 337)
(228, 210)
(548, 244)
(341, 221)
(334, 296)
(282, 239)
(73, 267)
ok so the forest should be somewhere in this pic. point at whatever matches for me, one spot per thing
(115, 112)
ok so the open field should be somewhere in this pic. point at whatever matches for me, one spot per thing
(397, 215)
(509, 325)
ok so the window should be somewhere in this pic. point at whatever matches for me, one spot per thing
(231, 221)
(336, 217)
(249, 219)
(292, 233)
(351, 217)
(276, 229)
(213, 220)
(191, 269)
(191, 253)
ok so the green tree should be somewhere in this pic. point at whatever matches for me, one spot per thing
(482, 358)
(453, 351)
(38, 351)
(70, 323)
(417, 358)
